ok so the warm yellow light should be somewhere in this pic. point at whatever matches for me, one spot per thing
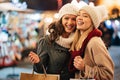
(117, 2)
(110, 4)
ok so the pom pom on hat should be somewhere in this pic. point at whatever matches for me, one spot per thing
(68, 9)
(104, 12)
(96, 13)
(79, 4)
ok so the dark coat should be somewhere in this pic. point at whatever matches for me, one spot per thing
(54, 57)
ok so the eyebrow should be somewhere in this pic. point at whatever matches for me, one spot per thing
(84, 13)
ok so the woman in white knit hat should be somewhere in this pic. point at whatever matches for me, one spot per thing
(89, 56)
(53, 49)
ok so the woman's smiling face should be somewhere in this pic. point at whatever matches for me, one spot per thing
(69, 22)
(83, 20)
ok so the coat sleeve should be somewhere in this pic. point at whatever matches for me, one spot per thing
(42, 52)
(102, 67)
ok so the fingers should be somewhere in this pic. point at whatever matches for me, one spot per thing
(33, 57)
(78, 63)
(78, 60)
(31, 53)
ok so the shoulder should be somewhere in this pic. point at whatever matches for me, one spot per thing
(96, 43)
(43, 41)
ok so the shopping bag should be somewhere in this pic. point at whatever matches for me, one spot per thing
(36, 76)
(28, 76)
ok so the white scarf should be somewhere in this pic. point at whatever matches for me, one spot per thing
(65, 42)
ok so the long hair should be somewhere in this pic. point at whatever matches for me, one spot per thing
(76, 38)
(55, 29)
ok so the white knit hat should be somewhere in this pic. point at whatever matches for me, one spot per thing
(68, 9)
(95, 13)
(104, 12)
(79, 4)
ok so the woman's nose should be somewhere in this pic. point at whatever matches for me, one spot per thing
(79, 17)
(71, 22)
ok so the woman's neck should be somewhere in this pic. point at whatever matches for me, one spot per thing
(65, 35)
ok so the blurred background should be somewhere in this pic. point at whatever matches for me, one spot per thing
(23, 22)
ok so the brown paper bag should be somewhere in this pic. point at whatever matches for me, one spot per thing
(33, 76)
(28, 76)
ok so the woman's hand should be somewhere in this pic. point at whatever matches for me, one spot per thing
(34, 58)
(79, 63)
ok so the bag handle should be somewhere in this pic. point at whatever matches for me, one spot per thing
(43, 71)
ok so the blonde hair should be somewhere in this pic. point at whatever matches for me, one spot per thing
(78, 39)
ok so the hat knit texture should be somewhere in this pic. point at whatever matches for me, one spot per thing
(68, 9)
(104, 12)
(95, 13)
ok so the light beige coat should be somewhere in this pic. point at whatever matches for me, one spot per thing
(98, 62)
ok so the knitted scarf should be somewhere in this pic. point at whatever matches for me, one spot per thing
(93, 33)
(65, 42)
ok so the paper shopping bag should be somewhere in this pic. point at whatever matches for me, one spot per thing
(44, 76)
(28, 76)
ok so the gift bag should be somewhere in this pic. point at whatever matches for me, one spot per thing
(35, 76)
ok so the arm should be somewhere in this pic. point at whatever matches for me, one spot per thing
(97, 61)
(102, 65)
(42, 53)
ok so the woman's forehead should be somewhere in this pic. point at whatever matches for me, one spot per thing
(83, 12)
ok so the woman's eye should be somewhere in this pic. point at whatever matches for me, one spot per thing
(85, 15)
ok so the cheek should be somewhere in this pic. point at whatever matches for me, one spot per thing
(63, 23)
(88, 23)
(74, 23)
